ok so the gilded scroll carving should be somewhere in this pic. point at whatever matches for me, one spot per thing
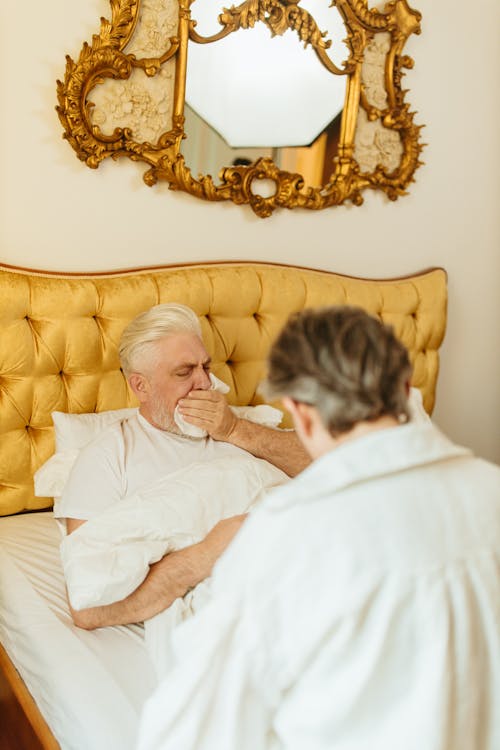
(124, 96)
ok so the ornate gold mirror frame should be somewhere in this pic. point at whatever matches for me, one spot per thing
(145, 40)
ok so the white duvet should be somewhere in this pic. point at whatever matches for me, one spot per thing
(109, 556)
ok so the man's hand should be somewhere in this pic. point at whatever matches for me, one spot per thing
(209, 410)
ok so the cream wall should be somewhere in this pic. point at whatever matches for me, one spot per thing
(55, 213)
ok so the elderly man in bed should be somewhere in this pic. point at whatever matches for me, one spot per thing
(359, 606)
(168, 368)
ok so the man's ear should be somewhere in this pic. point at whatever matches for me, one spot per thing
(139, 385)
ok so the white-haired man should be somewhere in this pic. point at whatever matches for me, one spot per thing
(359, 607)
(167, 366)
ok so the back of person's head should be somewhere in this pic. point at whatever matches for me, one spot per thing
(140, 336)
(341, 360)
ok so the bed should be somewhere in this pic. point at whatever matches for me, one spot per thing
(83, 690)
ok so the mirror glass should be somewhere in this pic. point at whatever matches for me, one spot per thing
(252, 95)
(205, 151)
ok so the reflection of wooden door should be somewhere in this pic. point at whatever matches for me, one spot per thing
(314, 162)
(306, 160)
(332, 147)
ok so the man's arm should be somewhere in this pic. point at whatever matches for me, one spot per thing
(209, 409)
(279, 447)
(168, 579)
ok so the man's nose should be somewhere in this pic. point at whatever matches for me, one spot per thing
(202, 380)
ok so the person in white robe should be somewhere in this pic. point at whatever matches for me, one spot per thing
(358, 607)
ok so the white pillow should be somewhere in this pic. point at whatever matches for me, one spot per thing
(72, 432)
(75, 431)
(52, 476)
(416, 407)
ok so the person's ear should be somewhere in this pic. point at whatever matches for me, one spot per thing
(302, 415)
(139, 385)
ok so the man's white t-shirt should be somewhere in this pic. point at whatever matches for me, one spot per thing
(127, 456)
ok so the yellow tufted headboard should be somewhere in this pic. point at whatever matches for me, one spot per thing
(59, 336)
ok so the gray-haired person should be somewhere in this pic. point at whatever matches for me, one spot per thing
(359, 606)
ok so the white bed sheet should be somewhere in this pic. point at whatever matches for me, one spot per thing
(89, 685)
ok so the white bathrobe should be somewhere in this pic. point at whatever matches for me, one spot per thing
(357, 609)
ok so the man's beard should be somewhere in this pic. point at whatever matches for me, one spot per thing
(162, 418)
